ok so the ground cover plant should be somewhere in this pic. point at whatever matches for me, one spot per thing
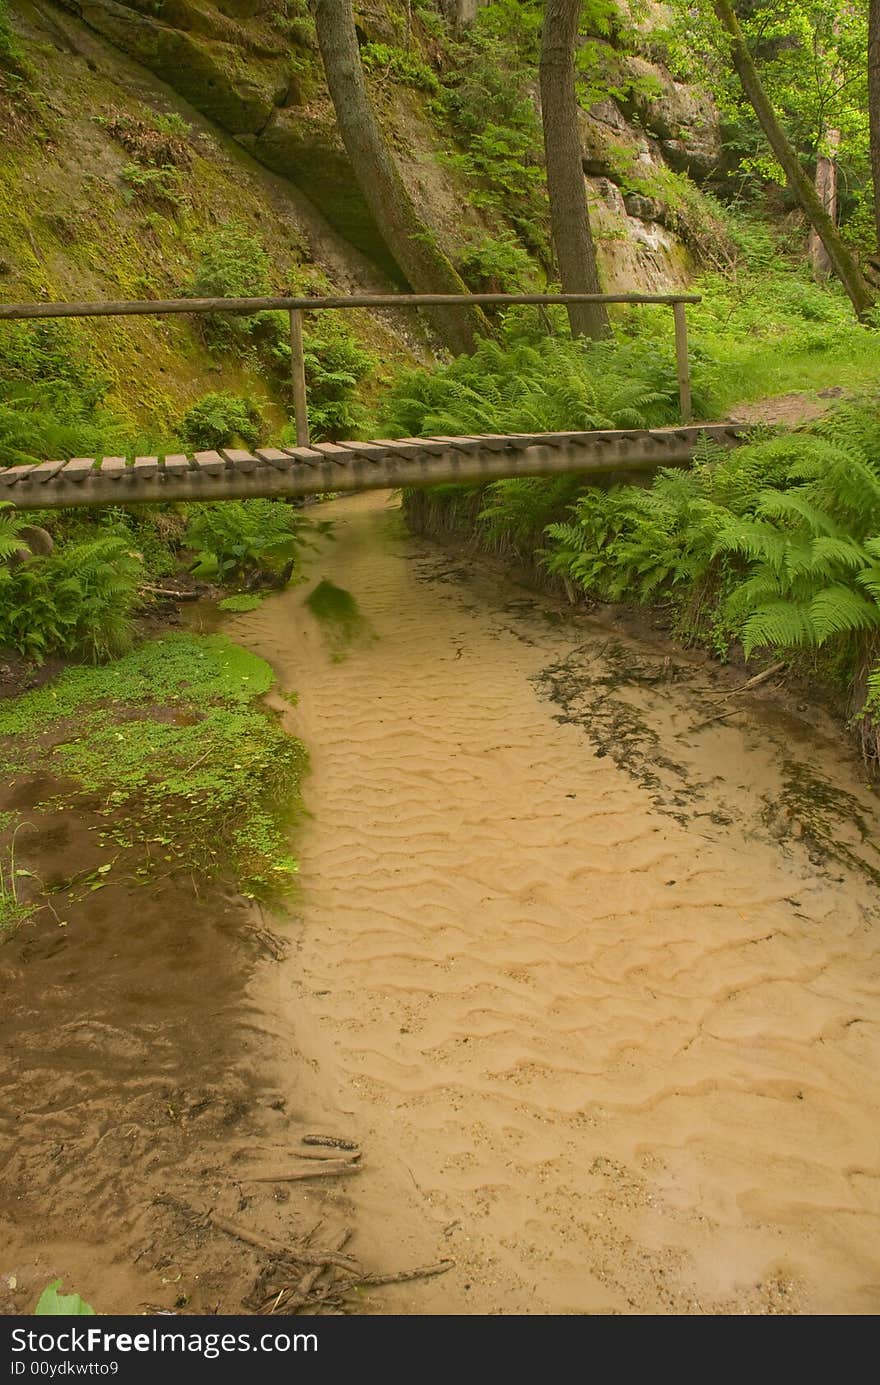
(174, 744)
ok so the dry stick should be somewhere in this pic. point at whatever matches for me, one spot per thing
(166, 591)
(300, 1295)
(325, 1169)
(324, 1158)
(753, 682)
(319, 1259)
(424, 1272)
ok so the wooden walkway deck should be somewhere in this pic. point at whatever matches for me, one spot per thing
(347, 466)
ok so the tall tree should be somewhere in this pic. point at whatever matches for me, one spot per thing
(407, 236)
(569, 213)
(842, 261)
(874, 104)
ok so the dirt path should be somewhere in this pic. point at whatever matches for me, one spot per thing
(576, 966)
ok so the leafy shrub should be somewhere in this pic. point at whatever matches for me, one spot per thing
(497, 264)
(50, 396)
(335, 365)
(233, 264)
(76, 601)
(218, 420)
(159, 186)
(546, 385)
(238, 538)
(400, 65)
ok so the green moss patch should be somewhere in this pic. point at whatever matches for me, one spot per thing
(172, 745)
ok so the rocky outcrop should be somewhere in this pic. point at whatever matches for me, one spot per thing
(253, 70)
(682, 119)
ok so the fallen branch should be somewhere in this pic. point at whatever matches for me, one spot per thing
(323, 1169)
(166, 591)
(319, 1259)
(423, 1272)
(755, 682)
(300, 1296)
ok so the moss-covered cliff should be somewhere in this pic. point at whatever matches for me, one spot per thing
(138, 129)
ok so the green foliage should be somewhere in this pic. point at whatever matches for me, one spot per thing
(51, 396)
(171, 740)
(11, 524)
(77, 601)
(155, 186)
(335, 365)
(51, 1303)
(486, 99)
(497, 264)
(219, 420)
(235, 538)
(776, 545)
(385, 61)
(547, 384)
(810, 55)
(232, 263)
(10, 52)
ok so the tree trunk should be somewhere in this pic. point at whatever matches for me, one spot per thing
(569, 213)
(874, 104)
(843, 262)
(826, 191)
(409, 239)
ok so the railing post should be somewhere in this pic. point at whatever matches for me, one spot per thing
(298, 375)
(679, 312)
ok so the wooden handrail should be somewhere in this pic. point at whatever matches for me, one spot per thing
(160, 307)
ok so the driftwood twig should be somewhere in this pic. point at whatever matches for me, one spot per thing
(323, 1168)
(755, 682)
(300, 1295)
(320, 1260)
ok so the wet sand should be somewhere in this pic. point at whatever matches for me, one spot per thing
(576, 966)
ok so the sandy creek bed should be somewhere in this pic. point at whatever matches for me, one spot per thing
(574, 967)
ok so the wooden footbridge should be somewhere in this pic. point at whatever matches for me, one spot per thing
(311, 468)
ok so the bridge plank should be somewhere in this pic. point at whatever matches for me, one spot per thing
(334, 451)
(10, 474)
(176, 464)
(78, 468)
(306, 456)
(114, 467)
(210, 463)
(45, 471)
(145, 466)
(240, 459)
(401, 447)
(459, 444)
(427, 445)
(273, 456)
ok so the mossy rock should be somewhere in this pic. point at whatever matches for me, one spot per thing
(306, 150)
(239, 95)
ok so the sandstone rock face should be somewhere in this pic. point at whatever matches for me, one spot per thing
(263, 84)
(683, 120)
